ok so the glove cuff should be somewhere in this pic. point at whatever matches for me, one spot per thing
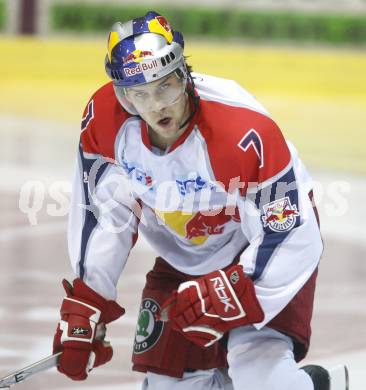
(245, 291)
(110, 310)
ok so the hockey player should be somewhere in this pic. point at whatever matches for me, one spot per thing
(197, 165)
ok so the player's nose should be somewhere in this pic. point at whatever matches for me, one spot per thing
(158, 106)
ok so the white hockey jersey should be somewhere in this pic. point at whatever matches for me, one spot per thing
(230, 186)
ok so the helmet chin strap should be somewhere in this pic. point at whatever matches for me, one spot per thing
(196, 100)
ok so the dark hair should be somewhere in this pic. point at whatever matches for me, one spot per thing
(189, 67)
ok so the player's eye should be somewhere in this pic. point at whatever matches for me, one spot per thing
(163, 87)
(140, 95)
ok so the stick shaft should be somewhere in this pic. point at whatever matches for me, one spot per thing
(26, 372)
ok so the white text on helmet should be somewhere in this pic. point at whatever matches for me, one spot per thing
(141, 68)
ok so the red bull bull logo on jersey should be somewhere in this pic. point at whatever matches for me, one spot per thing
(280, 215)
(198, 227)
(201, 225)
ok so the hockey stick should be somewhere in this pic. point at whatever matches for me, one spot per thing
(42, 365)
(26, 372)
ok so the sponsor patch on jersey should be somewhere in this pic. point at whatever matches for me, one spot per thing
(149, 329)
(136, 173)
(280, 215)
(191, 185)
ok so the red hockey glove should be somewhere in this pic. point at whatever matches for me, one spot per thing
(84, 314)
(206, 308)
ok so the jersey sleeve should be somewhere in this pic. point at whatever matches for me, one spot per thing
(278, 218)
(102, 223)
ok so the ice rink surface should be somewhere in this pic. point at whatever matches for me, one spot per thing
(34, 260)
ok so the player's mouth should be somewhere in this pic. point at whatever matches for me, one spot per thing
(165, 122)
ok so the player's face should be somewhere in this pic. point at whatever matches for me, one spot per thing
(163, 104)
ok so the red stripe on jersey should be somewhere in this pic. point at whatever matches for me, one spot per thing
(100, 134)
(224, 127)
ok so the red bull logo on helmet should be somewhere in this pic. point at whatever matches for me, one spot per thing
(137, 56)
(159, 25)
(140, 68)
(280, 215)
(163, 22)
